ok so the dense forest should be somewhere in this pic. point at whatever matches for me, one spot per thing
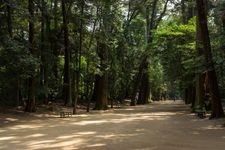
(105, 51)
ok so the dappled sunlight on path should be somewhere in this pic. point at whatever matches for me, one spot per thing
(163, 125)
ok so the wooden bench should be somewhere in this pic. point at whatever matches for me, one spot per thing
(64, 114)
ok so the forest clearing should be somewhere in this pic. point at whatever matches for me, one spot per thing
(165, 125)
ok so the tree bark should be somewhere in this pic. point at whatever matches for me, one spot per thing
(105, 26)
(45, 29)
(137, 82)
(199, 100)
(217, 110)
(10, 32)
(101, 94)
(67, 80)
(190, 94)
(30, 105)
(199, 84)
(101, 81)
(54, 44)
(192, 97)
(79, 57)
(138, 85)
(47, 65)
(89, 83)
(144, 89)
(152, 22)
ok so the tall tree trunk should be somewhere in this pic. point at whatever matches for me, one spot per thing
(101, 96)
(30, 105)
(10, 32)
(187, 13)
(139, 84)
(199, 84)
(45, 38)
(47, 65)
(186, 91)
(190, 94)
(79, 57)
(101, 81)
(89, 96)
(200, 93)
(89, 83)
(193, 97)
(144, 89)
(43, 53)
(217, 110)
(42, 43)
(67, 79)
(54, 44)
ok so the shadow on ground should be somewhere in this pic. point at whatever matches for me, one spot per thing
(157, 126)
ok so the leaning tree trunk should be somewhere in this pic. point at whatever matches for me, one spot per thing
(152, 22)
(30, 105)
(217, 110)
(67, 80)
(144, 89)
(137, 82)
(139, 85)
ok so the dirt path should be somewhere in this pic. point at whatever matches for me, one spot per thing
(159, 126)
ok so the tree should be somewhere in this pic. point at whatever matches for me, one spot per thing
(110, 50)
(217, 110)
(67, 73)
(78, 64)
(44, 48)
(31, 106)
(100, 94)
(152, 22)
(200, 77)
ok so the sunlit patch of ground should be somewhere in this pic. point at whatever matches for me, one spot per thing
(163, 125)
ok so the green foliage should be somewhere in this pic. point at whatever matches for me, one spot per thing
(16, 63)
(175, 46)
(156, 75)
(217, 33)
(173, 60)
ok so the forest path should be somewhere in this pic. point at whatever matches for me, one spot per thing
(163, 125)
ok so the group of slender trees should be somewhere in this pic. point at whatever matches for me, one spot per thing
(108, 49)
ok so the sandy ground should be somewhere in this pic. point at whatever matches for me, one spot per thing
(159, 126)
